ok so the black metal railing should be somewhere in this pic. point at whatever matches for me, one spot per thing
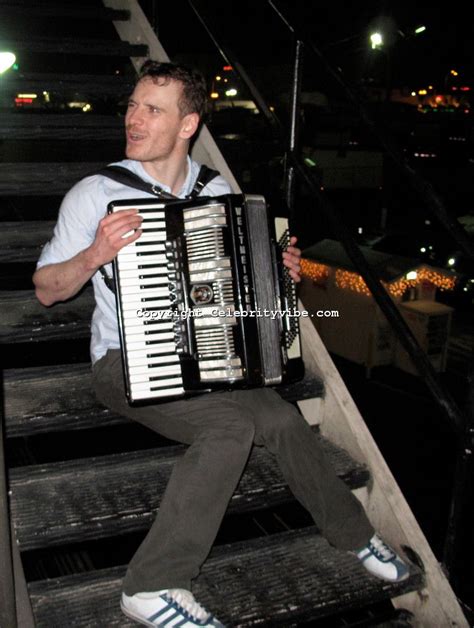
(295, 165)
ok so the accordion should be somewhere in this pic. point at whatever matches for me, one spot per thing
(204, 301)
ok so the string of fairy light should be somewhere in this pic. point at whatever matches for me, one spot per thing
(347, 280)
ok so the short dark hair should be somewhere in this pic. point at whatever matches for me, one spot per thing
(194, 96)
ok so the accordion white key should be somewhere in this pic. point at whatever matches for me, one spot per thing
(204, 302)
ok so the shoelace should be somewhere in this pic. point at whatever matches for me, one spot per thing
(187, 601)
(382, 548)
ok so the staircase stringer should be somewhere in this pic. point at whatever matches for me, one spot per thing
(389, 512)
(139, 30)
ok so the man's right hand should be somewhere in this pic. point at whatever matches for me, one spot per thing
(113, 233)
(59, 282)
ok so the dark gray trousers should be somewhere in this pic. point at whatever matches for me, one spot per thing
(221, 429)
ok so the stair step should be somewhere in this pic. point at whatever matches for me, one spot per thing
(22, 241)
(24, 319)
(76, 46)
(98, 84)
(74, 126)
(276, 580)
(33, 406)
(31, 8)
(85, 499)
(43, 179)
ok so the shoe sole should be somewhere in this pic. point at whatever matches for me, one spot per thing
(140, 620)
(402, 579)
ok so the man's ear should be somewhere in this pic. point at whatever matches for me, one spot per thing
(189, 125)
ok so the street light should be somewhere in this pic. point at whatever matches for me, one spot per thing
(376, 40)
(7, 59)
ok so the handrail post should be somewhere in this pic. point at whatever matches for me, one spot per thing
(294, 126)
(8, 618)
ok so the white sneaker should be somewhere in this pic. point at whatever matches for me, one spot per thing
(381, 561)
(170, 608)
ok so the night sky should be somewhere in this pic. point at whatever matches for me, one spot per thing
(338, 28)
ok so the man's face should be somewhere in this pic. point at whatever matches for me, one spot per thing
(154, 127)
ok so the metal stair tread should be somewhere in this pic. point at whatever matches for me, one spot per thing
(45, 498)
(57, 10)
(23, 241)
(115, 84)
(274, 580)
(43, 179)
(72, 126)
(24, 319)
(77, 46)
(33, 405)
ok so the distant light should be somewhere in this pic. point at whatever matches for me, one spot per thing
(7, 59)
(214, 95)
(87, 107)
(420, 29)
(413, 93)
(465, 89)
(451, 261)
(360, 230)
(218, 78)
(412, 275)
(454, 73)
(422, 92)
(309, 162)
(423, 249)
(376, 40)
(227, 68)
(430, 86)
(231, 92)
(74, 104)
(27, 96)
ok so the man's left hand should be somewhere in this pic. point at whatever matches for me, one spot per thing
(292, 260)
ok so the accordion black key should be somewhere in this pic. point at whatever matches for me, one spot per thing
(204, 302)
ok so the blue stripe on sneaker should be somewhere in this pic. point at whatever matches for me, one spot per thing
(163, 610)
(170, 618)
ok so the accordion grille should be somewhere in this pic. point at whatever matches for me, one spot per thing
(209, 265)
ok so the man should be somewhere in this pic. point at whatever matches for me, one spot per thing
(163, 114)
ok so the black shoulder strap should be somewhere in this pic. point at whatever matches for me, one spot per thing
(132, 180)
(205, 175)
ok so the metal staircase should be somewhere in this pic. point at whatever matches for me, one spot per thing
(61, 497)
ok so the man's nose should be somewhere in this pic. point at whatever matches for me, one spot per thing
(135, 116)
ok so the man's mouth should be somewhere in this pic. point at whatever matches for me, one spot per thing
(135, 137)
